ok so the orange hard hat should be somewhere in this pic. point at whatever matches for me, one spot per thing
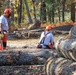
(7, 11)
(48, 27)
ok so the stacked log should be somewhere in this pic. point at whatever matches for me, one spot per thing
(72, 32)
(22, 70)
(25, 56)
(67, 48)
(65, 63)
(60, 66)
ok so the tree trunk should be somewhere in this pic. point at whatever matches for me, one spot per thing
(28, 13)
(67, 45)
(7, 3)
(43, 12)
(20, 12)
(63, 10)
(59, 14)
(73, 12)
(25, 56)
(22, 70)
(53, 14)
(67, 48)
(49, 15)
(12, 15)
(34, 10)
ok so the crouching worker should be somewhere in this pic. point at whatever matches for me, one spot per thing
(46, 39)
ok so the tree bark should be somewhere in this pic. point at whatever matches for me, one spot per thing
(34, 9)
(59, 66)
(25, 56)
(43, 12)
(63, 9)
(73, 12)
(59, 14)
(7, 3)
(53, 8)
(28, 13)
(20, 12)
(22, 70)
(66, 48)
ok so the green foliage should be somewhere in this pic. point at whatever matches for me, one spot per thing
(50, 5)
(2, 4)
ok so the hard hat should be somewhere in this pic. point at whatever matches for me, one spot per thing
(48, 27)
(7, 11)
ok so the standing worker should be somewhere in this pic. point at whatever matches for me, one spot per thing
(47, 39)
(4, 26)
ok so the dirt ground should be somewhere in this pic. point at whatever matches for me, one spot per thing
(30, 41)
(23, 41)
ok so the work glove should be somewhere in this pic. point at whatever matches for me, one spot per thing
(1, 35)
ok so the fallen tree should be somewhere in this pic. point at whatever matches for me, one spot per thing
(22, 70)
(25, 56)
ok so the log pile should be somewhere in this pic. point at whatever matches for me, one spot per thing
(13, 61)
(65, 63)
(66, 47)
(60, 66)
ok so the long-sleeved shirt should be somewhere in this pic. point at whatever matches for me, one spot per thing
(49, 38)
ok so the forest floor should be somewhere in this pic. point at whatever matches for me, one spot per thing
(31, 41)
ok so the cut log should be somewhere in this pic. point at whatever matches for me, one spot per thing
(34, 34)
(67, 48)
(25, 56)
(22, 70)
(60, 66)
(57, 47)
(72, 32)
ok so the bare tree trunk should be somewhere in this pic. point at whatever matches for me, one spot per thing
(20, 12)
(12, 15)
(43, 12)
(8, 6)
(34, 10)
(73, 12)
(53, 14)
(7, 3)
(59, 14)
(63, 9)
(28, 13)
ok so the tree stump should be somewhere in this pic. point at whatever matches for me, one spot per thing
(36, 24)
